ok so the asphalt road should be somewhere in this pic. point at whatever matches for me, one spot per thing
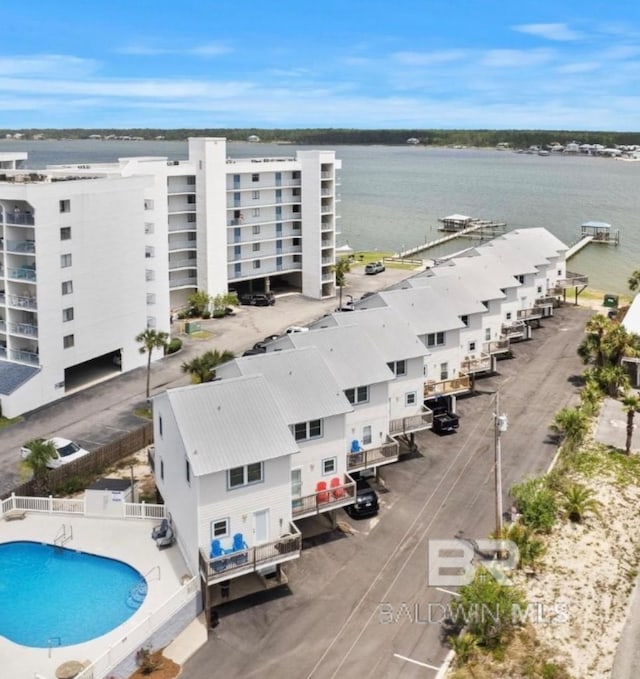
(350, 605)
(103, 412)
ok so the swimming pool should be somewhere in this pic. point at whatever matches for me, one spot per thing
(52, 596)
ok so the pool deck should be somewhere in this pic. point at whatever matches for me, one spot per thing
(127, 540)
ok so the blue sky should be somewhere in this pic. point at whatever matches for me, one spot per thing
(499, 64)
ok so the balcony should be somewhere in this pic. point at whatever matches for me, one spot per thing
(23, 273)
(18, 217)
(500, 346)
(24, 356)
(375, 457)
(243, 562)
(572, 280)
(22, 301)
(21, 246)
(515, 330)
(409, 425)
(183, 283)
(531, 314)
(475, 364)
(324, 500)
(546, 305)
(458, 385)
(25, 329)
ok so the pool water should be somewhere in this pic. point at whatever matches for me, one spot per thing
(52, 596)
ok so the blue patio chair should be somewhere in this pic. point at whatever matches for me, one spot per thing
(355, 446)
(216, 552)
(239, 545)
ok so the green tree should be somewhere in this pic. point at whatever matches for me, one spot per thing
(198, 303)
(151, 339)
(618, 343)
(40, 453)
(530, 547)
(631, 405)
(591, 348)
(464, 646)
(613, 379)
(590, 396)
(579, 501)
(573, 424)
(220, 302)
(487, 608)
(203, 368)
(536, 504)
(634, 281)
(341, 268)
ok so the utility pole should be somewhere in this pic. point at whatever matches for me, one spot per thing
(500, 425)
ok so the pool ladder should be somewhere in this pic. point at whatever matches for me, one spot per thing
(64, 534)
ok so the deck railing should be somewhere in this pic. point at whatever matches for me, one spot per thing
(456, 385)
(499, 346)
(476, 365)
(406, 425)
(285, 548)
(324, 500)
(516, 329)
(384, 454)
(531, 314)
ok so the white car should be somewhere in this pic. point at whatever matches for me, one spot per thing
(66, 451)
(295, 328)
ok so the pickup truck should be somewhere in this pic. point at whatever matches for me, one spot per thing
(444, 422)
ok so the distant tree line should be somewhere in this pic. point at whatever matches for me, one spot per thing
(340, 136)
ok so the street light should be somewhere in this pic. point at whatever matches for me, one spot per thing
(501, 424)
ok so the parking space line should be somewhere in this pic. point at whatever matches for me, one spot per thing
(415, 662)
(447, 591)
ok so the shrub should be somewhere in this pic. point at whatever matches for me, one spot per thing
(536, 503)
(174, 345)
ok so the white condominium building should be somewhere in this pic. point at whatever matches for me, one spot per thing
(92, 254)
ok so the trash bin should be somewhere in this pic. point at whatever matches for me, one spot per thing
(610, 300)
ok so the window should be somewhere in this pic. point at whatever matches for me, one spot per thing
(256, 263)
(255, 212)
(67, 287)
(295, 242)
(295, 174)
(297, 259)
(329, 466)
(160, 425)
(191, 180)
(148, 204)
(67, 314)
(255, 177)
(357, 395)
(256, 247)
(520, 278)
(366, 435)
(151, 299)
(444, 371)
(162, 469)
(435, 339)
(255, 229)
(191, 199)
(187, 470)
(297, 226)
(68, 341)
(410, 398)
(398, 367)
(472, 346)
(539, 289)
(465, 319)
(307, 430)
(65, 233)
(508, 315)
(65, 260)
(242, 476)
(559, 272)
(487, 334)
(255, 195)
(295, 208)
(220, 528)
(65, 206)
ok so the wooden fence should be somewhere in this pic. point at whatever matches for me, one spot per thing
(93, 464)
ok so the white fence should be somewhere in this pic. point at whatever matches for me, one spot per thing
(137, 637)
(61, 505)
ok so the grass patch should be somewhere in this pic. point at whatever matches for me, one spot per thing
(599, 460)
(145, 413)
(201, 334)
(7, 422)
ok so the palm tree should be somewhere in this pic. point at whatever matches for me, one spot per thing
(631, 405)
(592, 345)
(573, 424)
(618, 343)
(579, 501)
(613, 379)
(590, 396)
(634, 281)
(203, 368)
(40, 453)
(151, 339)
(341, 268)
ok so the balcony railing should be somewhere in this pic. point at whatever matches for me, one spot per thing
(19, 218)
(499, 346)
(407, 425)
(183, 283)
(24, 356)
(324, 500)
(23, 273)
(242, 562)
(476, 365)
(457, 385)
(21, 246)
(514, 329)
(532, 314)
(23, 329)
(22, 301)
(375, 457)
(546, 305)
(571, 281)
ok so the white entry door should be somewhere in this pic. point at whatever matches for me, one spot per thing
(261, 526)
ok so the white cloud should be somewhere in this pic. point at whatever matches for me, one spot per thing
(206, 50)
(212, 49)
(429, 58)
(516, 58)
(45, 65)
(560, 32)
(580, 67)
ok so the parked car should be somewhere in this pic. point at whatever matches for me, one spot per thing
(373, 268)
(66, 451)
(257, 299)
(366, 503)
(292, 329)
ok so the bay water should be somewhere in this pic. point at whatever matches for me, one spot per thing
(392, 196)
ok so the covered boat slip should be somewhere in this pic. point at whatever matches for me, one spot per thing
(600, 232)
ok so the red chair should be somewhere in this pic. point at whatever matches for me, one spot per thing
(321, 492)
(336, 488)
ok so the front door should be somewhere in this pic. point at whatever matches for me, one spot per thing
(261, 526)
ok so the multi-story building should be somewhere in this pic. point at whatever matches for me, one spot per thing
(94, 253)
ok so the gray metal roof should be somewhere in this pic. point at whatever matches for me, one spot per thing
(352, 356)
(13, 375)
(508, 255)
(230, 423)
(485, 268)
(426, 310)
(393, 336)
(460, 298)
(303, 386)
(538, 236)
(473, 278)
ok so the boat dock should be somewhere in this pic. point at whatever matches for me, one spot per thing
(445, 239)
(576, 247)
